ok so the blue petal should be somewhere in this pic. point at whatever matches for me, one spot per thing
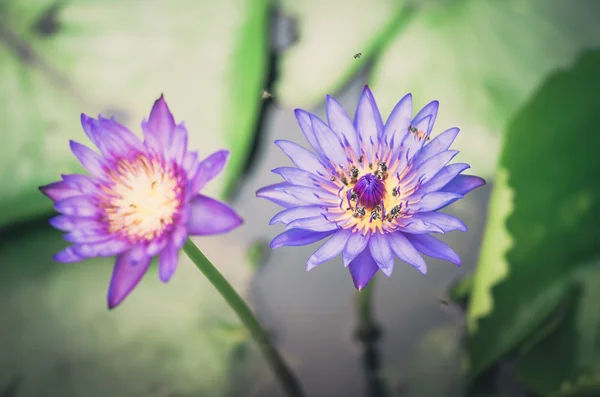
(112, 138)
(106, 248)
(296, 176)
(430, 167)
(405, 251)
(291, 214)
(442, 178)
(275, 194)
(362, 269)
(436, 200)
(316, 224)
(298, 237)
(90, 160)
(306, 126)
(431, 109)
(355, 245)
(167, 262)
(437, 145)
(58, 191)
(430, 246)
(330, 143)
(310, 195)
(80, 206)
(382, 253)
(340, 122)
(208, 168)
(301, 157)
(367, 122)
(332, 248)
(445, 222)
(68, 255)
(463, 184)
(397, 124)
(209, 217)
(127, 274)
(416, 225)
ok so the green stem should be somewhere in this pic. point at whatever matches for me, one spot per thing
(367, 328)
(283, 373)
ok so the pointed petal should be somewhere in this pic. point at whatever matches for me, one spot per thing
(340, 122)
(306, 126)
(442, 178)
(296, 176)
(367, 121)
(431, 109)
(90, 160)
(291, 214)
(167, 262)
(103, 249)
(112, 138)
(158, 130)
(332, 248)
(275, 194)
(298, 237)
(69, 223)
(84, 183)
(362, 269)
(436, 200)
(209, 216)
(60, 190)
(437, 145)
(301, 157)
(430, 167)
(208, 168)
(67, 255)
(404, 250)
(412, 143)
(397, 124)
(178, 146)
(430, 246)
(416, 225)
(355, 245)
(316, 224)
(80, 206)
(127, 273)
(463, 184)
(445, 222)
(382, 253)
(330, 143)
(310, 195)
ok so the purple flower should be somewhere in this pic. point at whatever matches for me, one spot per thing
(372, 188)
(140, 200)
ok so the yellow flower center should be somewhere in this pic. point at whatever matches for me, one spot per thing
(144, 200)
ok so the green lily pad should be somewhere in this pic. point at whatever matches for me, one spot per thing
(482, 59)
(58, 338)
(567, 361)
(59, 59)
(552, 167)
(330, 35)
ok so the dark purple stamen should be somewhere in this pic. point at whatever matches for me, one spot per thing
(370, 191)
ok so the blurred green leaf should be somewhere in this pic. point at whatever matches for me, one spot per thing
(330, 34)
(482, 59)
(568, 359)
(552, 167)
(59, 59)
(59, 339)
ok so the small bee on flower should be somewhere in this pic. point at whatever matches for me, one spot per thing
(372, 188)
(140, 199)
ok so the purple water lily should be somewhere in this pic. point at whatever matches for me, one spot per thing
(140, 200)
(372, 188)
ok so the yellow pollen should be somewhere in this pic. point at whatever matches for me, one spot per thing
(144, 199)
(394, 203)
